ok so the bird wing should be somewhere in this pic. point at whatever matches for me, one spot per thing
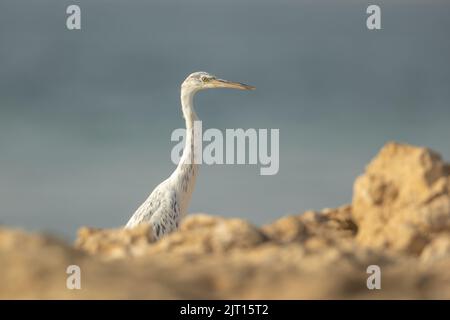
(161, 210)
(147, 209)
(166, 218)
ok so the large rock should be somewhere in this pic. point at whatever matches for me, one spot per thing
(402, 198)
(115, 243)
(315, 230)
(399, 221)
(203, 234)
(438, 249)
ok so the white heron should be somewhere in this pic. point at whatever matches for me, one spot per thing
(169, 201)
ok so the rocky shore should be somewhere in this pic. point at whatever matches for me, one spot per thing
(399, 221)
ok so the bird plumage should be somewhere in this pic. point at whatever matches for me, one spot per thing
(169, 201)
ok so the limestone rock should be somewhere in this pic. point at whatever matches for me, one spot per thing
(286, 229)
(201, 234)
(402, 198)
(115, 243)
(438, 249)
(399, 221)
(315, 230)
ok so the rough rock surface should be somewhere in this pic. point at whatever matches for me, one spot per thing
(403, 199)
(399, 220)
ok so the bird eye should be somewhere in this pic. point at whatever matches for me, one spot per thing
(205, 79)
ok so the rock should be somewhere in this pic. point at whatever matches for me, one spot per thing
(438, 249)
(115, 243)
(286, 229)
(315, 230)
(30, 262)
(398, 220)
(402, 198)
(202, 234)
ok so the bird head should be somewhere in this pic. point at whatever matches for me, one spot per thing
(202, 80)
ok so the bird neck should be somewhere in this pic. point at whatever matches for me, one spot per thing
(187, 106)
(185, 174)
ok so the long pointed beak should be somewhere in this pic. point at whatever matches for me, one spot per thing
(220, 83)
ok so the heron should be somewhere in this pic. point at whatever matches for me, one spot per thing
(168, 203)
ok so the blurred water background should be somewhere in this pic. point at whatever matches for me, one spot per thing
(86, 116)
